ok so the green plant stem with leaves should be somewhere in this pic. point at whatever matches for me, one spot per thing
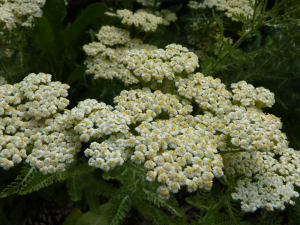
(250, 29)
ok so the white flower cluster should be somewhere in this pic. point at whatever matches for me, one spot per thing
(179, 149)
(270, 182)
(229, 6)
(245, 128)
(196, 5)
(6, 53)
(174, 151)
(95, 122)
(100, 120)
(247, 95)
(2, 81)
(141, 20)
(19, 12)
(53, 146)
(142, 105)
(24, 107)
(158, 65)
(167, 16)
(148, 2)
(176, 155)
(104, 61)
(110, 35)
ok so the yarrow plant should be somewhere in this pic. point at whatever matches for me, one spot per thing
(230, 7)
(26, 107)
(180, 149)
(170, 132)
(14, 13)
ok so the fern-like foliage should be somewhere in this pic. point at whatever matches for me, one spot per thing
(216, 219)
(213, 212)
(203, 200)
(38, 182)
(27, 174)
(171, 205)
(135, 191)
(74, 189)
(270, 218)
(157, 216)
(121, 206)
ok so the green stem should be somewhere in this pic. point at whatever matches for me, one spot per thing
(198, 110)
(265, 6)
(172, 87)
(254, 27)
(254, 13)
(140, 80)
(137, 33)
(233, 47)
(147, 34)
(3, 67)
(279, 17)
(208, 35)
(293, 56)
(266, 62)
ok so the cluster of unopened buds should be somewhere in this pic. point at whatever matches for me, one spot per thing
(185, 130)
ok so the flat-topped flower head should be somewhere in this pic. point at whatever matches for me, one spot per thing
(140, 19)
(167, 16)
(104, 58)
(15, 13)
(245, 128)
(246, 95)
(269, 181)
(110, 35)
(24, 107)
(158, 65)
(148, 2)
(230, 7)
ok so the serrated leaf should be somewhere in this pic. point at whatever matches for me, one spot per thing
(115, 173)
(207, 65)
(100, 187)
(93, 201)
(219, 22)
(39, 181)
(157, 216)
(27, 173)
(84, 19)
(220, 219)
(74, 189)
(170, 204)
(119, 209)
(202, 200)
